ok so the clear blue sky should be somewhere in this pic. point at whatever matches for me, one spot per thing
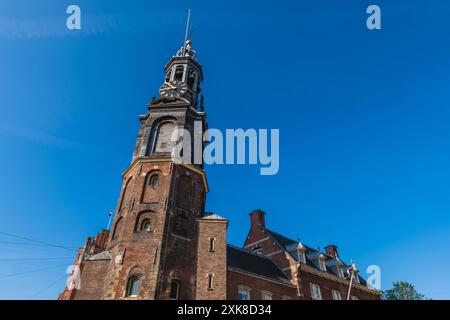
(363, 118)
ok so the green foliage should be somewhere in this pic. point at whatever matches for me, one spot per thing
(402, 290)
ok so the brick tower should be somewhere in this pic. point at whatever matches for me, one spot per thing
(154, 238)
(161, 244)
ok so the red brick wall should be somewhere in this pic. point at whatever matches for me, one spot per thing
(257, 285)
(92, 280)
(211, 263)
(88, 276)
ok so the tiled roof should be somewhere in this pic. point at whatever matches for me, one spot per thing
(285, 242)
(311, 254)
(254, 264)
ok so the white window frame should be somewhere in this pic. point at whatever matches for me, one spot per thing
(322, 264)
(340, 271)
(128, 288)
(315, 288)
(336, 294)
(266, 295)
(355, 298)
(301, 257)
(244, 291)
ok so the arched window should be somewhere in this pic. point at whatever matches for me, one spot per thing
(117, 228)
(150, 185)
(210, 282)
(124, 194)
(169, 73)
(179, 70)
(191, 78)
(185, 192)
(145, 222)
(163, 137)
(154, 181)
(212, 245)
(181, 226)
(146, 225)
(174, 290)
(133, 287)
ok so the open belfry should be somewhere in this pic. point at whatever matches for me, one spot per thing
(163, 245)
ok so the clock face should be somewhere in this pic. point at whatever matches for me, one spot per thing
(173, 89)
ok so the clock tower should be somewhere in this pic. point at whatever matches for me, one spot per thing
(160, 231)
(180, 106)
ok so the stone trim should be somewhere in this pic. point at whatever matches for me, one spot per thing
(256, 242)
(273, 253)
(168, 159)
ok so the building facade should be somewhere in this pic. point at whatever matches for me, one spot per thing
(163, 245)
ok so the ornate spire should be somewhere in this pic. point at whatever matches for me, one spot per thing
(183, 75)
(185, 50)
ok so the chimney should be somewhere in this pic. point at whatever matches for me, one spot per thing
(332, 250)
(257, 218)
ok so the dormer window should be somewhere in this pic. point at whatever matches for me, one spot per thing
(322, 264)
(340, 271)
(301, 252)
(301, 257)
